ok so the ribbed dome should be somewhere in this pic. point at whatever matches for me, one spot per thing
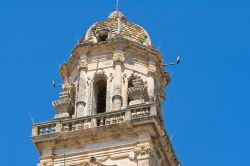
(118, 24)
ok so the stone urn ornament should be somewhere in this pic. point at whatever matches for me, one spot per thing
(138, 92)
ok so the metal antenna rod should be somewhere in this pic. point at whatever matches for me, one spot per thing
(33, 122)
(117, 5)
(178, 61)
(172, 136)
(55, 85)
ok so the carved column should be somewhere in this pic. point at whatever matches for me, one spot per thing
(109, 92)
(118, 62)
(81, 103)
(124, 91)
(34, 131)
(151, 80)
(88, 95)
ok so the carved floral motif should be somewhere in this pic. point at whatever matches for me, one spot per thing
(140, 151)
(138, 91)
(82, 65)
(118, 56)
(151, 69)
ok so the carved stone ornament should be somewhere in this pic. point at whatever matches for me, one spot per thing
(115, 97)
(47, 164)
(138, 92)
(93, 162)
(135, 74)
(64, 105)
(89, 81)
(142, 150)
(100, 71)
(124, 77)
(151, 69)
(111, 76)
(66, 86)
(82, 65)
(118, 56)
(139, 151)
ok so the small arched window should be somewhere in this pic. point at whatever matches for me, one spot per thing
(129, 86)
(103, 35)
(100, 92)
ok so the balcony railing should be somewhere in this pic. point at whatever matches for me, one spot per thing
(102, 119)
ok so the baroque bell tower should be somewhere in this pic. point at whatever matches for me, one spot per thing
(109, 111)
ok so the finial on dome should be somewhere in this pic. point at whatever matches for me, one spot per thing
(116, 14)
(117, 5)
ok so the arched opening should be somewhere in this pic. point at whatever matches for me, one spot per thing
(102, 36)
(100, 90)
(129, 86)
(72, 94)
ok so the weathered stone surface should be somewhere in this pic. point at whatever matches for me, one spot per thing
(109, 109)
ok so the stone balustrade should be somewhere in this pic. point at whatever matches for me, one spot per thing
(98, 120)
(43, 129)
(140, 113)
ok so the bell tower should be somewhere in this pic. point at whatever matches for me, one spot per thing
(109, 110)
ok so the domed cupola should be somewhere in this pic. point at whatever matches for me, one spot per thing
(117, 24)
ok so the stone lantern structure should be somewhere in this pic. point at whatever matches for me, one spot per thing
(109, 111)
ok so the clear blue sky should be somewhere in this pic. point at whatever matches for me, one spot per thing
(208, 100)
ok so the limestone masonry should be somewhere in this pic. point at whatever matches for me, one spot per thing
(109, 111)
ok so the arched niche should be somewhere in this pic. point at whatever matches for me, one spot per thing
(72, 94)
(99, 94)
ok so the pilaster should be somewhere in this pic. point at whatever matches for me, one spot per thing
(151, 79)
(118, 59)
(81, 94)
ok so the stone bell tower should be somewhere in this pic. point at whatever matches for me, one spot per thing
(109, 111)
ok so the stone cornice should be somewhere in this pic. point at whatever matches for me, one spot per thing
(109, 45)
